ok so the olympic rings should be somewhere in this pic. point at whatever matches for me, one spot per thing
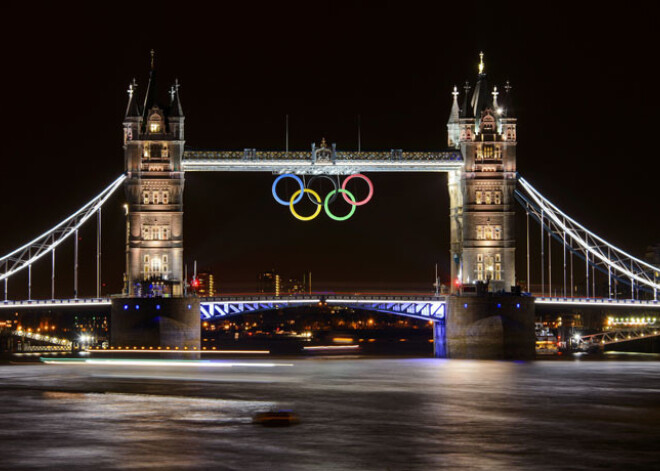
(364, 201)
(300, 183)
(327, 177)
(327, 201)
(292, 202)
(317, 200)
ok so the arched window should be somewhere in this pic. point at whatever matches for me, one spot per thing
(145, 197)
(166, 197)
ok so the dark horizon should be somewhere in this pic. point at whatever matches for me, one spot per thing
(583, 90)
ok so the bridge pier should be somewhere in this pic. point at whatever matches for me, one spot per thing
(172, 323)
(490, 326)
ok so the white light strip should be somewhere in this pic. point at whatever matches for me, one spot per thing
(386, 301)
(65, 303)
(598, 302)
(332, 347)
(165, 363)
(138, 350)
(261, 301)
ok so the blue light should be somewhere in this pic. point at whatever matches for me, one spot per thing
(518, 306)
(157, 306)
(125, 307)
(188, 306)
(465, 305)
(137, 306)
(499, 305)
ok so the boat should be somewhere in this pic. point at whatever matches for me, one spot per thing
(280, 418)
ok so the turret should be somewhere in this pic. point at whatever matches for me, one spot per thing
(453, 128)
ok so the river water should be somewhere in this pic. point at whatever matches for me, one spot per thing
(356, 413)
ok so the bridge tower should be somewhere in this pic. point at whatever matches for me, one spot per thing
(154, 311)
(153, 149)
(481, 194)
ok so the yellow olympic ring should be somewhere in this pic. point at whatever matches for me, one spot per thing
(318, 207)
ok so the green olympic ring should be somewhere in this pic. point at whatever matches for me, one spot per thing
(327, 202)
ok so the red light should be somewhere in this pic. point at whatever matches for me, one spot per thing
(194, 283)
(457, 282)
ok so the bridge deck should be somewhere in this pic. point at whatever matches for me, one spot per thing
(343, 163)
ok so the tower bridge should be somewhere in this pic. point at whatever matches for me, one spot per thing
(484, 189)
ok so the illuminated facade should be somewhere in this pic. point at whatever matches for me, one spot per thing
(481, 194)
(153, 148)
(206, 286)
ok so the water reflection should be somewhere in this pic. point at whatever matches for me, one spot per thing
(355, 414)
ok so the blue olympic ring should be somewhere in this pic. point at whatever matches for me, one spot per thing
(296, 178)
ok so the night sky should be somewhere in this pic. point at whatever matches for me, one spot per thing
(584, 81)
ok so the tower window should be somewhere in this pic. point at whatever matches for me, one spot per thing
(154, 127)
(478, 197)
(480, 232)
(146, 259)
(498, 271)
(480, 271)
(166, 197)
(488, 196)
(166, 236)
(498, 257)
(156, 197)
(497, 197)
(146, 233)
(145, 197)
(497, 232)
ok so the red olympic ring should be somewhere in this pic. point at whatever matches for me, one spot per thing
(364, 201)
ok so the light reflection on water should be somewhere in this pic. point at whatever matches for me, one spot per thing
(355, 414)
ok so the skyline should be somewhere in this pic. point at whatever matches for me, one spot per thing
(69, 114)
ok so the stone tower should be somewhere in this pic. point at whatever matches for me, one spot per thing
(153, 149)
(481, 195)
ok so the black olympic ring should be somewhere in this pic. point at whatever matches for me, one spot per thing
(327, 177)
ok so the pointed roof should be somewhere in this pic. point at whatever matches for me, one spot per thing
(481, 99)
(132, 108)
(466, 110)
(150, 96)
(455, 110)
(175, 111)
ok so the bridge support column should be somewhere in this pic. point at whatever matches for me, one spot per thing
(439, 340)
(172, 323)
(490, 327)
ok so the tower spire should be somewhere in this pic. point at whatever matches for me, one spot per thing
(481, 62)
(176, 111)
(150, 95)
(132, 109)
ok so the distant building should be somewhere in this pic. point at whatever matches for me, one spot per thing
(300, 285)
(269, 282)
(205, 287)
